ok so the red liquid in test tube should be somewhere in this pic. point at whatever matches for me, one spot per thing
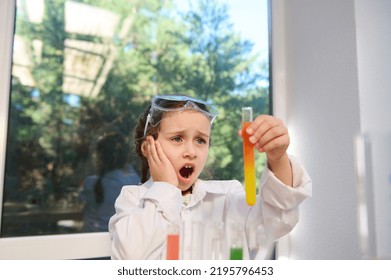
(173, 242)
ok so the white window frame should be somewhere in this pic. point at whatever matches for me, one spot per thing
(66, 246)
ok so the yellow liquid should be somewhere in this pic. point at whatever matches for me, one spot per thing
(249, 166)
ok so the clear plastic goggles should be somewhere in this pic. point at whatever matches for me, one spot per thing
(174, 103)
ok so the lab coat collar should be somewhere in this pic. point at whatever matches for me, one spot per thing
(200, 189)
(212, 187)
(201, 186)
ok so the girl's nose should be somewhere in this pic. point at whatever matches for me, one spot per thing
(190, 151)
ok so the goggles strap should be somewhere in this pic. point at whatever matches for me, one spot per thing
(147, 122)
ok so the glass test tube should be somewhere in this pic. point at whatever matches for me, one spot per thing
(236, 246)
(248, 157)
(173, 242)
(217, 240)
(257, 240)
(197, 230)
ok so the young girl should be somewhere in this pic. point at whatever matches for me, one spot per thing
(172, 138)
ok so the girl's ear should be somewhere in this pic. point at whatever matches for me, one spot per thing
(144, 148)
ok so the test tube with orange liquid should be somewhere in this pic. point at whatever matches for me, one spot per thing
(172, 242)
(248, 157)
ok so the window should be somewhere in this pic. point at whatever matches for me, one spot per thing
(84, 69)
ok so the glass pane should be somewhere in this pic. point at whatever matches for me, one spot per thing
(82, 73)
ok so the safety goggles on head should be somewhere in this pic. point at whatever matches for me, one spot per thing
(175, 103)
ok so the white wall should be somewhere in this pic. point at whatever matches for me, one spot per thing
(332, 65)
(373, 22)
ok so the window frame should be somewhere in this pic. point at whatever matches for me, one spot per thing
(90, 245)
(7, 20)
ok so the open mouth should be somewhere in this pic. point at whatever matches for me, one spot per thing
(186, 171)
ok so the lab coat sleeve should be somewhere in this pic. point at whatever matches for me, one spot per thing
(279, 202)
(138, 229)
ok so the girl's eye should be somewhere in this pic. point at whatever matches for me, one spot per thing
(176, 139)
(201, 141)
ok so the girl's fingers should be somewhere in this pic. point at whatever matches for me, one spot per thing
(280, 142)
(152, 153)
(256, 124)
(155, 154)
(262, 130)
(263, 125)
(160, 153)
(160, 166)
(269, 135)
(272, 134)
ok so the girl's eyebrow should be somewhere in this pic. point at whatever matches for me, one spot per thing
(199, 132)
(204, 134)
(174, 131)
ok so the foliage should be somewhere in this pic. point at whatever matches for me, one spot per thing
(194, 52)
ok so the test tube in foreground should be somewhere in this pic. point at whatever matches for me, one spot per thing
(248, 157)
(236, 246)
(197, 230)
(173, 242)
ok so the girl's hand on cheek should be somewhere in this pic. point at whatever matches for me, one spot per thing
(160, 166)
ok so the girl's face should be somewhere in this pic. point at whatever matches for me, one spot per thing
(184, 137)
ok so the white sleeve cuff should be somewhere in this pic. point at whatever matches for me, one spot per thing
(276, 193)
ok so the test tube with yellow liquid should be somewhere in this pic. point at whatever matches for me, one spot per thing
(248, 157)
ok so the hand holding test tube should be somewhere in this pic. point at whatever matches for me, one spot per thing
(248, 157)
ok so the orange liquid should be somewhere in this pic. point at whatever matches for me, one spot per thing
(173, 247)
(249, 166)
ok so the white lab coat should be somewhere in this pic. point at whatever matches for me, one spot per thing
(138, 230)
